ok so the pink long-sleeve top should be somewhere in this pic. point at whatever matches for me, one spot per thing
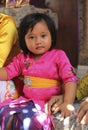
(53, 64)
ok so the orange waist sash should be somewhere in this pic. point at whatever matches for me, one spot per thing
(37, 82)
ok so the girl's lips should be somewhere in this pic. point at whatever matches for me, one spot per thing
(39, 47)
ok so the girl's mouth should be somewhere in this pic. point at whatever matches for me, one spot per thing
(39, 47)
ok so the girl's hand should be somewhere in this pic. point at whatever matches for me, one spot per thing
(53, 104)
(66, 109)
(82, 115)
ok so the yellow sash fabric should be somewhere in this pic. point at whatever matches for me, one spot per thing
(8, 36)
(38, 82)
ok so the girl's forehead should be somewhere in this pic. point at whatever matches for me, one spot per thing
(41, 25)
(42, 21)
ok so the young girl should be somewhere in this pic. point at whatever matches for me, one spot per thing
(45, 69)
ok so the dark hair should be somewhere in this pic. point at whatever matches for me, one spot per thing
(28, 22)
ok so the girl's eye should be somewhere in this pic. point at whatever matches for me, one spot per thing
(31, 37)
(43, 35)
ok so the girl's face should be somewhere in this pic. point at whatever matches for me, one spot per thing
(38, 40)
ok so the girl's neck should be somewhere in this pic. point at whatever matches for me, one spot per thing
(36, 57)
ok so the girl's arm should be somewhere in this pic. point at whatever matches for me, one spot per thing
(3, 74)
(70, 92)
(67, 107)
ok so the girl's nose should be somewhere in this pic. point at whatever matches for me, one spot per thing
(38, 40)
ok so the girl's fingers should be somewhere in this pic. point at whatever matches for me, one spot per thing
(53, 104)
(55, 110)
(55, 107)
(48, 106)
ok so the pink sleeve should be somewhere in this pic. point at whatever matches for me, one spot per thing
(14, 68)
(66, 70)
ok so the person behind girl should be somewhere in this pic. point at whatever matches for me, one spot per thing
(45, 69)
(8, 39)
(82, 114)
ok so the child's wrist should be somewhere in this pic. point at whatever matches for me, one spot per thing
(69, 105)
(68, 102)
